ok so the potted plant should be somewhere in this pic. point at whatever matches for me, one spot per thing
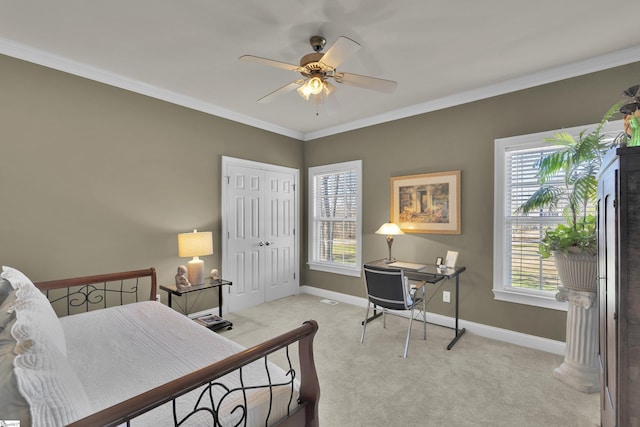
(573, 244)
(631, 112)
(577, 163)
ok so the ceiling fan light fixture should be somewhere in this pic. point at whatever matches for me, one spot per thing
(313, 86)
(304, 92)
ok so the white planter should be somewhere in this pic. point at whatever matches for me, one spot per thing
(578, 274)
(577, 271)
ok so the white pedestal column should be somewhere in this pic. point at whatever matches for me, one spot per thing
(580, 367)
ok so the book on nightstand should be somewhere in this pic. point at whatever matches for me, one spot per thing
(209, 320)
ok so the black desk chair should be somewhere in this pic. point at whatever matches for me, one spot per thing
(389, 289)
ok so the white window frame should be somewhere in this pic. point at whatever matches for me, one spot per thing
(502, 288)
(313, 245)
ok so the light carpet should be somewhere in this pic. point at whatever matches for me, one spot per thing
(480, 382)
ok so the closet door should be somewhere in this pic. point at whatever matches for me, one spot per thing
(245, 234)
(259, 221)
(279, 257)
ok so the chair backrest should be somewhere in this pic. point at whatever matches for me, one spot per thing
(385, 287)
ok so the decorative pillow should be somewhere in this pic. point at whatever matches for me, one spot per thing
(46, 381)
(5, 288)
(34, 311)
(7, 310)
(13, 406)
(15, 277)
(38, 385)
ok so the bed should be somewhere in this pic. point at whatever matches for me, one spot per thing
(101, 351)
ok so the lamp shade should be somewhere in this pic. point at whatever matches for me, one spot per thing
(195, 244)
(390, 229)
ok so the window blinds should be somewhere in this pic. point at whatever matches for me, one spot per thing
(524, 231)
(336, 216)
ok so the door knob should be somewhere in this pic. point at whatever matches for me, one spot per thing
(261, 243)
(268, 243)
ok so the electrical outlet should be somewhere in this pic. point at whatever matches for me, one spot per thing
(446, 296)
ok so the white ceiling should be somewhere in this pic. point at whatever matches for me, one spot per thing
(441, 53)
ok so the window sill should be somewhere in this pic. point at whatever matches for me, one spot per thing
(346, 271)
(537, 299)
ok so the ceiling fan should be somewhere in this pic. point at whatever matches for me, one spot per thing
(318, 68)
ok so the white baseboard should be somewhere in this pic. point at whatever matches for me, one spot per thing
(499, 334)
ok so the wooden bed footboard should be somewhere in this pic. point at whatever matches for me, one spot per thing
(305, 414)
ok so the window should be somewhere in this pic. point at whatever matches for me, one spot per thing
(335, 218)
(519, 272)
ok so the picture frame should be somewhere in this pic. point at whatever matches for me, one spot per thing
(439, 261)
(452, 258)
(426, 203)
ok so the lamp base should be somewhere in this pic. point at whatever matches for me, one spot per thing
(389, 260)
(195, 269)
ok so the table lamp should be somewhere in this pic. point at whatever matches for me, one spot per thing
(194, 245)
(390, 229)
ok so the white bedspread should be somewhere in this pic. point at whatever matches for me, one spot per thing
(123, 351)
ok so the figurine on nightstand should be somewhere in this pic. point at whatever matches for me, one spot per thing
(181, 278)
(215, 275)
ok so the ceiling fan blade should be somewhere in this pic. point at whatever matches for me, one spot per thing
(269, 62)
(340, 50)
(331, 104)
(366, 82)
(284, 89)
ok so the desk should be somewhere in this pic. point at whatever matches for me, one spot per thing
(208, 284)
(431, 274)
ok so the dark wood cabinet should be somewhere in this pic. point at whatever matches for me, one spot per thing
(619, 287)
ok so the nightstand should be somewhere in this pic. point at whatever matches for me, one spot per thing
(208, 284)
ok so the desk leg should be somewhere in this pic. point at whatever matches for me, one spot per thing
(169, 299)
(459, 332)
(226, 323)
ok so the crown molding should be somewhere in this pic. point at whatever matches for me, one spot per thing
(592, 65)
(66, 65)
(603, 62)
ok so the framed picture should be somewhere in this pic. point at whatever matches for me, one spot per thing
(427, 203)
(439, 260)
(452, 257)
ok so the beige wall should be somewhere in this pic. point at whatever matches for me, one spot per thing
(462, 138)
(96, 179)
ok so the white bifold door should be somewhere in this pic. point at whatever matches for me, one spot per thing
(259, 221)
